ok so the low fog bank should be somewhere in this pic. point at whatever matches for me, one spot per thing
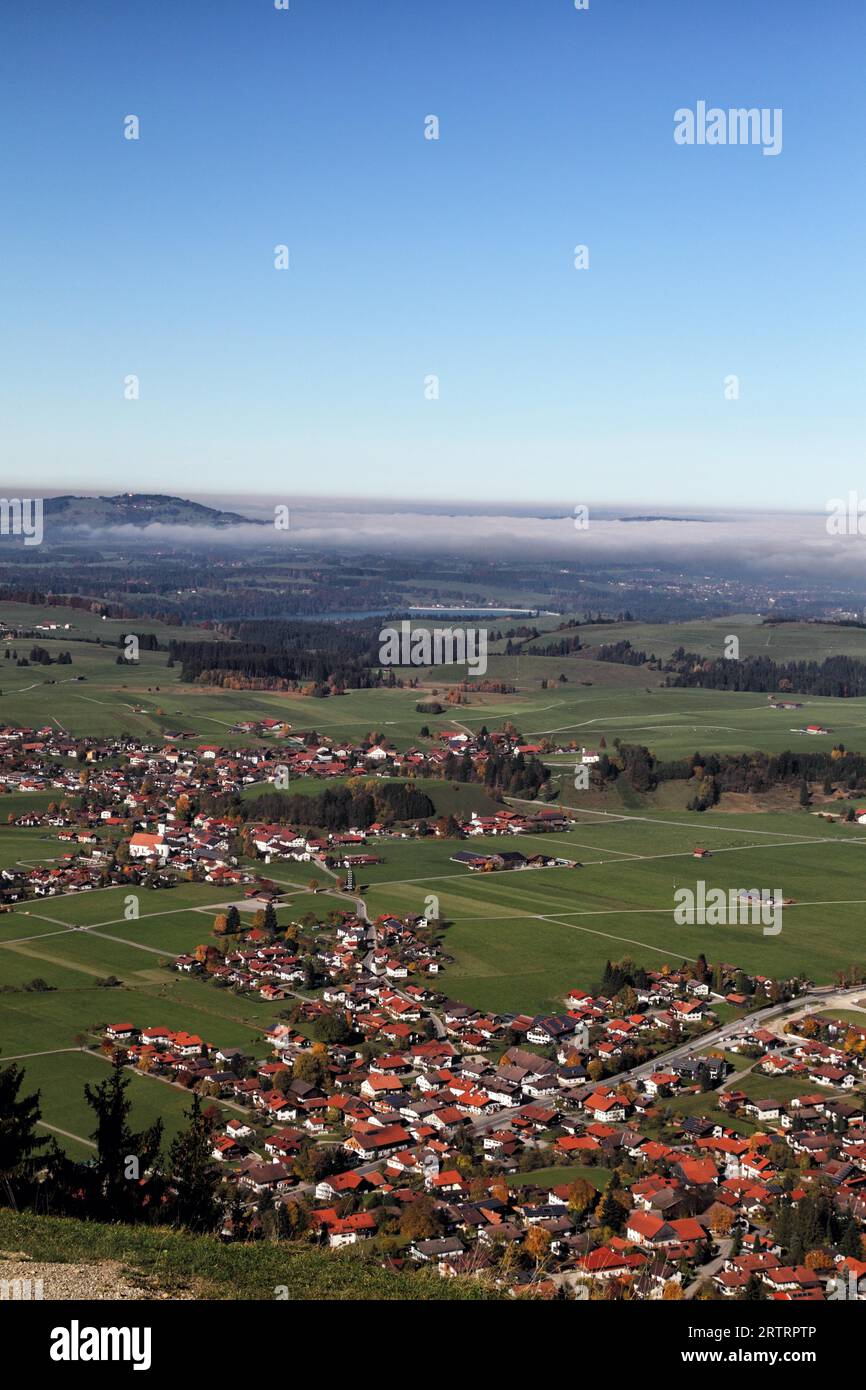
(775, 544)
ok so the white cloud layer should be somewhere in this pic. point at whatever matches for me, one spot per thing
(779, 543)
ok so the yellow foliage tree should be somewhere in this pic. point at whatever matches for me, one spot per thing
(537, 1243)
(722, 1222)
(819, 1259)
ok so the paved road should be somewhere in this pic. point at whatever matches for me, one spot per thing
(708, 1271)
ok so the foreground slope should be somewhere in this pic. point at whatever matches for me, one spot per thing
(176, 1264)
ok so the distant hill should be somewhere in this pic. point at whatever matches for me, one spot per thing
(137, 509)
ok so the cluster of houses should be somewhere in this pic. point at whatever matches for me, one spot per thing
(126, 793)
(461, 1115)
(507, 822)
(428, 1101)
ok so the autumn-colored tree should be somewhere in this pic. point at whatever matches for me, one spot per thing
(672, 1291)
(581, 1195)
(420, 1219)
(722, 1222)
(537, 1243)
(819, 1260)
(500, 1190)
(627, 999)
(610, 1211)
(309, 1068)
(220, 924)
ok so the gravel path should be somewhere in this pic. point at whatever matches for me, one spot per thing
(109, 1279)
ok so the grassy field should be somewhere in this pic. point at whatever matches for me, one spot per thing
(521, 939)
(599, 698)
(562, 1173)
(61, 1078)
(781, 641)
(40, 942)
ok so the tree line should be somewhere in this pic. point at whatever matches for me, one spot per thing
(732, 772)
(840, 677)
(340, 808)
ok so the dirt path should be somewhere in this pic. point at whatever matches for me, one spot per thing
(25, 1279)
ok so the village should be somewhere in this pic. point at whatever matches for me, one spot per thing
(132, 804)
(546, 1153)
(615, 1148)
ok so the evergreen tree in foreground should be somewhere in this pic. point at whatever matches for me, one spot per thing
(18, 1121)
(122, 1181)
(194, 1176)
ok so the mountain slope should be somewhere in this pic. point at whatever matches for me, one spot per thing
(137, 509)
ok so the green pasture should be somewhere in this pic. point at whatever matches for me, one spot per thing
(61, 1079)
(521, 939)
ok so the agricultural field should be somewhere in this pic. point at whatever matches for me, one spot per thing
(150, 701)
(520, 939)
(780, 641)
(70, 944)
(597, 698)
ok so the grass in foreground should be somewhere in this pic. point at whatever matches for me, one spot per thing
(176, 1261)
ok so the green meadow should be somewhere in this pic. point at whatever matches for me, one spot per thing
(520, 939)
(47, 947)
(61, 1079)
(597, 698)
(562, 1174)
(779, 641)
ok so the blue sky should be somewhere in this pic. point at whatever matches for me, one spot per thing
(412, 257)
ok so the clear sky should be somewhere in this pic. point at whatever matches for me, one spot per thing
(411, 257)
